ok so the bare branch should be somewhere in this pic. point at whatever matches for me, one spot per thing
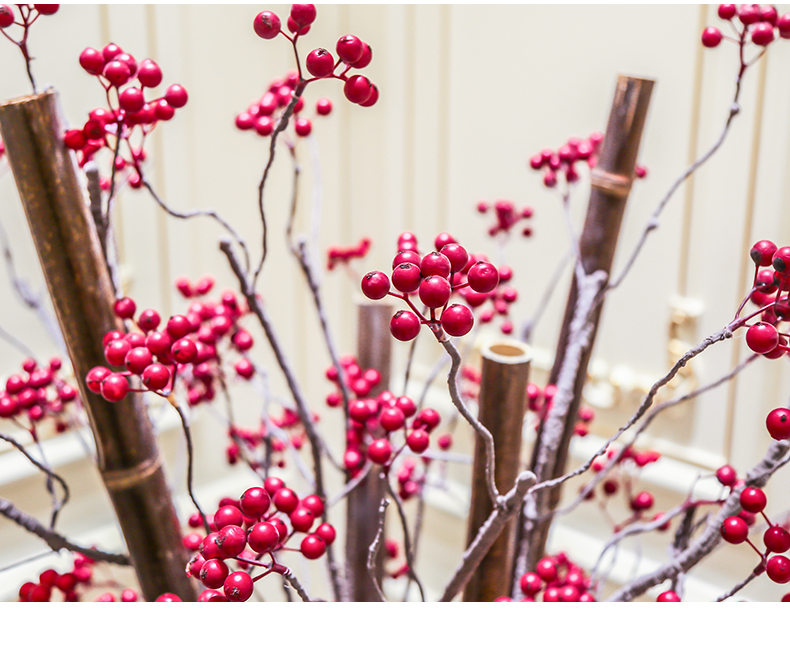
(757, 571)
(294, 582)
(375, 546)
(190, 459)
(407, 548)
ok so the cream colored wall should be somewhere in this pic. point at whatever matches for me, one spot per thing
(468, 94)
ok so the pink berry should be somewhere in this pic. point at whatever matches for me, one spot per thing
(95, 378)
(380, 451)
(375, 285)
(727, 476)
(734, 530)
(176, 96)
(778, 569)
(483, 277)
(642, 501)
(753, 499)
(267, 24)
(435, 291)
(457, 320)
(320, 63)
(149, 319)
(184, 350)
(264, 126)
(125, 308)
(781, 260)
(312, 547)
(776, 539)
(778, 423)
(668, 597)
(783, 24)
(350, 49)
(762, 337)
(116, 351)
(762, 253)
(404, 325)
(357, 89)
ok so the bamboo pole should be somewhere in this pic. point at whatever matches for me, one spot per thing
(76, 274)
(374, 350)
(503, 403)
(611, 184)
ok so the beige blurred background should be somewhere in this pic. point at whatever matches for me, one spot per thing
(468, 94)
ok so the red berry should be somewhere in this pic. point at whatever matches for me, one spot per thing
(116, 72)
(418, 441)
(303, 14)
(326, 532)
(483, 277)
(435, 291)
(238, 586)
(302, 519)
(435, 263)
(91, 60)
(231, 539)
(314, 504)
(457, 320)
(254, 502)
(264, 537)
(320, 63)
(114, 387)
(778, 423)
(781, 260)
(546, 569)
(138, 359)
(375, 285)
(357, 89)
(762, 33)
(285, 500)
(149, 74)
(214, 572)
(753, 499)
(350, 49)
(176, 96)
(711, 37)
(734, 530)
(156, 377)
(727, 11)
(95, 378)
(373, 97)
(392, 418)
(312, 547)
(776, 539)
(530, 583)
(406, 405)
(124, 308)
(380, 451)
(149, 319)
(783, 23)
(429, 418)
(323, 106)
(457, 255)
(749, 14)
(303, 127)
(762, 337)
(264, 126)
(365, 59)
(642, 501)
(668, 597)
(404, 325)
(406, 277)
(727, 476)
(267, 24)
(184, 350)
(778, 569)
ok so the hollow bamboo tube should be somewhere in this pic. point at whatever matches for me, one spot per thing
(503, 403)
(76, 275)
(374, 350)
(611, 184)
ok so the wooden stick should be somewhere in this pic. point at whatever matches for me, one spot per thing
(76, 274)
(503, 402)
(374, 349)
(611, 185)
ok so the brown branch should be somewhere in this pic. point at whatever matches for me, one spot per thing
(407, 548)
(54, 540)
(190, 459)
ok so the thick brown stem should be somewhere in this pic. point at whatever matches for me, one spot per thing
(70, 254)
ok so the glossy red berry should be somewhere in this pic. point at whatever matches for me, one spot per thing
(392, 418)
(267, 24)
(314, 504)
(184, 350)
(727, 476)
(176, 96)
(375, 285)
(231, 539)
(114, 387)
(457, 255)
(435, 291)
(418, 441)
(214, 572)
(380, 451)
(373, 97)
(711, 37)
(95, 378)
(254, 502)
(303, 127)
(238, 586)
(429, 418)
(668, 597)
(734, 530)
(783, 24)
(312, 547)
(125, 308)
(302, 519)
(404, 325)
(326, 532)
(546, 569)
(406, 277)
(149, 319)
(530, 583)
(6, 16)
(781, 260)
(357, 89)
(320, 63)
(749, 13)
(350, 49)
(776, 539)
(285, 500)
(435, 263)
(763, 33)
(149, 74)
(303, 14)
(323, 106)
(762, 253)
(753, 499)
(116, 72)
(264, 537)
(138, 359)
(483, 277)
(642, 501)
(778, 423)
(778, 569)
(727, 11)
(457, 320)
(762, 337)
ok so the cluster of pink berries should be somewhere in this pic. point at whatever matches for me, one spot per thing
(336, 255)
(560, 580)
(540, 401)
(263, 115)
(128, 112)
(759, 24)
(563, 160)
(187, 346)
(254, 440)
(72, 585)
(40, 394)
(433, 278)
(776, 538)
(352, 53)
(507, 216)
(368, 416)
(28, 14)
(246, 530)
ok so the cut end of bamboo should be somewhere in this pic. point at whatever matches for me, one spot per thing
(510, 352)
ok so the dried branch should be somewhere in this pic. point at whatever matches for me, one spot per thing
(757, 571)
(407, 548)
(190, 459)
(54, 540)
(375, 546)
(487, 534)
(294, 582)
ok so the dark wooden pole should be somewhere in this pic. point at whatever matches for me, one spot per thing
(70, 253)
(374, 350)
(611, 183)
(503, 403)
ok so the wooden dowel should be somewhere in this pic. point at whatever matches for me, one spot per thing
(76, 275)
(503, 403)
(374, 350)
(611, 184)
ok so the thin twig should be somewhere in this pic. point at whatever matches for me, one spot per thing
(373, 552)
(54, 540)
(294, 582)
(529, 326)
(190, 459)
(757, 571)
(407, 549)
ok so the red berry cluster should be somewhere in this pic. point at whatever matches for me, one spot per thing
(352, 53)
(246, 530)
(254, 440)
(540, 401)
(560, 580)
(776, 538)
(507, 216)
(73, 585)
(370, 416)
(187, 346)
(2, 149)
(336, 254)
(434, 278)
(758, 24)
(128, 114)
(28, 14)
(563, 160)
(39, 394)
(263, 115)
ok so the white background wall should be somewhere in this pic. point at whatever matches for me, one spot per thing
(468, 94)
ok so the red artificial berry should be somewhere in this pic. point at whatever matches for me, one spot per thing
(266, 24)
(406, 256)
(312, 547)
(375, 285)
(294, 28)
(380, 451)
(778, 569)
(184, 350)
(668, 597)
(176, 96)
(116, 351)
(114, 387)
(326, 532)
(418, 441)
(734, 530)
(483, 277)
(442, 239)
(47, 9)
(642, 501)
(350, 49)
(320, 63)
(138, 359)
(711, 37)
(116, 72)
(547, 569)
(429, 418)
(178, 326)
(263, 537)
(406, 277)
(357, 89)
(264, 126)
(781, 260)
(783, 23)
(131, 100)
(214, 572)
(95, 378)
(749, 14)
(285, 500)
(314, 504)
(762, 253)
(159, 343)
(92, 61)
(373, 97)
(762, 33)
(530, 583)
(435, 263)
(125, 308)
(149, 74)
(776, 539)
(435, 291)
(323, 106)
(149, 319)
(231, 539)
(404, 325)
(245, 368)
(753, 499)
(303, 127)
(238, 586)
(365, 59)
(778, 423)
(406, 405)
(727, 476)
(302, 519)
(303, 14)
(457, 320)
(9, 405)
(727, 11)
(353, 459)
(457, 255)
(228, 515)
(244, 121)
(762, 337)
